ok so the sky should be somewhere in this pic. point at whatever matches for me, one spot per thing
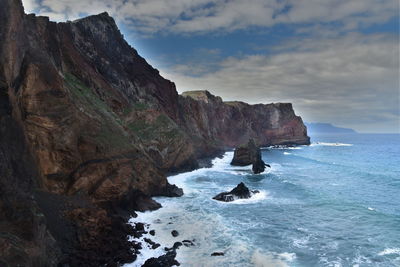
(337, 61)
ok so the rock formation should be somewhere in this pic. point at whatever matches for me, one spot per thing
(87, 131)
(239, 192)
(248, 154)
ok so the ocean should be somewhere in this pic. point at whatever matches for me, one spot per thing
(333, 203)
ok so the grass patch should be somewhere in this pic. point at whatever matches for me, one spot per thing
(110, 134)
(162, 127)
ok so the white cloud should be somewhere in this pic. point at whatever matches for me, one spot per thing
(352, 80)
(193, 16)
(30, 6)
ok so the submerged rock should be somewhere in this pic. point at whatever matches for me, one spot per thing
(188, 243)
(249, 154)
(217, 254)
(239, 192)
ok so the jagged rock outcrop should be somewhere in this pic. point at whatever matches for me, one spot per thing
(248, 154)
(87, 131)
(239, 192)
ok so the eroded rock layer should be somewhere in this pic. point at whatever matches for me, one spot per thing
(87, 131)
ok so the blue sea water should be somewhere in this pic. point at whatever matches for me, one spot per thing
(333, 203)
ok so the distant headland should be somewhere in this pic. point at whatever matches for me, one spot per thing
(320, 127)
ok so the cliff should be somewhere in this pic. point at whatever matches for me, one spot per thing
(230, 124)
(87, 131)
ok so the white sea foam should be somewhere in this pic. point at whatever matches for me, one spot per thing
(287, 153)
(204, 226)
(330, 144)
(260, 259)
(371, 208)
(301, 242)
(256, 197)
(284, 147)
(389, 251)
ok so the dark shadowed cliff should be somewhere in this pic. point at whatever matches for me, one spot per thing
(87, 131)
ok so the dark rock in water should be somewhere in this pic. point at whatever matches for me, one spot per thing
(217, 254)
(249, 154)
(174, 233)
(240, 191)
(139, 226)
(166, 260)
(244, 155)
(172, 190)
(152, 232)
(188, 243)
(258, 166)
(177, 245)
(153, 244)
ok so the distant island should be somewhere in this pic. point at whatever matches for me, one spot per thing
(319, 127)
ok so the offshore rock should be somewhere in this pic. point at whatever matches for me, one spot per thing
(249, 154)
(239, 192)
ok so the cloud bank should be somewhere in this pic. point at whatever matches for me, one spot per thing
(352, 80)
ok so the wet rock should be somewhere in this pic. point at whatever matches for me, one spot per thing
(177, 245)
(188, 243)
(258, 166)
(153, 244)
(217, 254)
(174, 233)
(139, 226)
(172, 190)
(166, 260)
(239, 192)
(152, 232)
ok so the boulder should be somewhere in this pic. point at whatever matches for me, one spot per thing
(174, 233)
(167, 259)
(248, 154)
(239, 192)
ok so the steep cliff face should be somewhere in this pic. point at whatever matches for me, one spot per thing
(88, 130)
(229, 124)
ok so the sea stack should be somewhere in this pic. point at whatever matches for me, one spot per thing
(248, 154)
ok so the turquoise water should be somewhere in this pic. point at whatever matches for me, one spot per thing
(334, 203)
